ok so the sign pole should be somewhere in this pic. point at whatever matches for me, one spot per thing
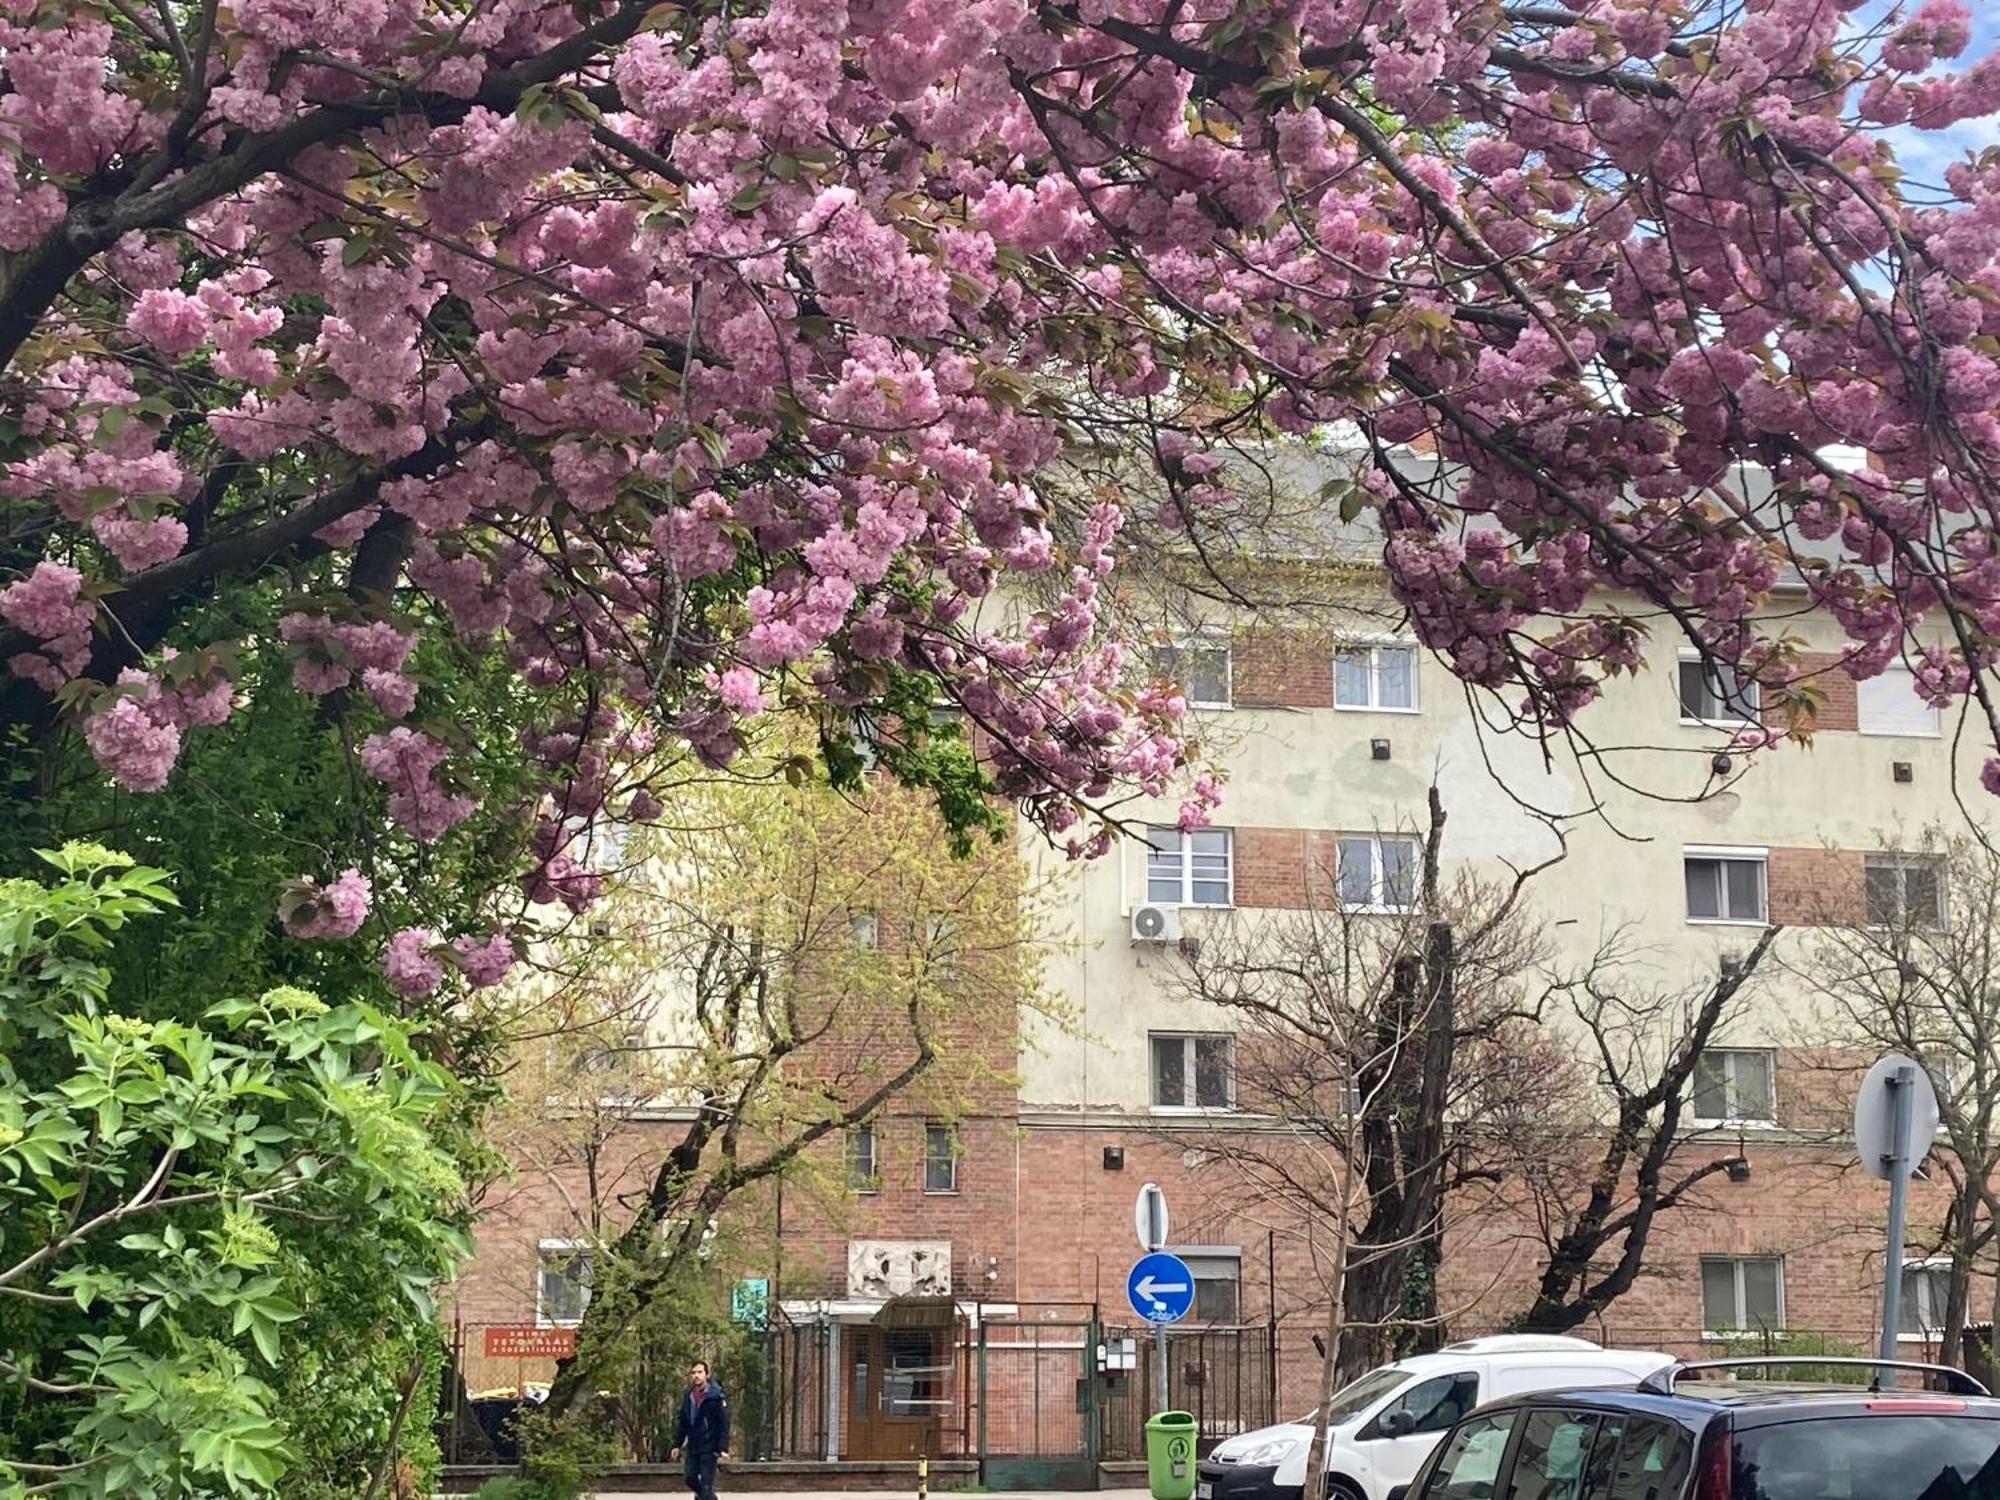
(1902, 1086)
(1159, 1367)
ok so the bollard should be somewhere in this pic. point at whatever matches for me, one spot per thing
(923, 1476)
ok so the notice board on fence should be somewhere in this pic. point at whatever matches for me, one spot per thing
(529, 1342)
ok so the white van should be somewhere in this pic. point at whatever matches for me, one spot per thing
(1384, 1425)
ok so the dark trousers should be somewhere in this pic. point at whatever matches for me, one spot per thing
(700, 1471)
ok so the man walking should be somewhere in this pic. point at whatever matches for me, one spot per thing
(701, 1436)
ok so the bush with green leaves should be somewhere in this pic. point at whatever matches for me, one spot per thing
(174, 1195)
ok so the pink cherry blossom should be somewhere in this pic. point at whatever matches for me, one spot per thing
(484, 961)
(330, 912)
(411, 963)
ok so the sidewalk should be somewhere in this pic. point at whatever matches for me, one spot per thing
(909, 1494)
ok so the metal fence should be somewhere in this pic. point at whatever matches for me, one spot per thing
(1039, 1396)
(1225, 1377)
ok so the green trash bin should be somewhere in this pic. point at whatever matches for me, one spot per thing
(1170, 1455)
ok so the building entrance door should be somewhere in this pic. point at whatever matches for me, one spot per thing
(898, 1392)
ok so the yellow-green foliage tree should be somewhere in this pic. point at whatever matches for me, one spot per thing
(779, 963)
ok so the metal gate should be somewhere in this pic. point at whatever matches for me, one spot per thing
(1040, 1420)
(1220, 1375)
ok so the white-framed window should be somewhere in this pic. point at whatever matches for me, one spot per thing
(1742, 1293)
(1200, 666)
(1904, 890)
(1193, 1070)
(1926, 1298)
(864, 929)
(1378, 871)
(1218, 1282)
(1887, 703)
(1736, 1086)
(1716, 693)
(563, 1273)
(1190, 869)
(940, 1158)
(1725, 885)
(864, 1160)
(1375, 677)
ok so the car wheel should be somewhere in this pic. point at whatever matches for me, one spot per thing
(1338, 1488)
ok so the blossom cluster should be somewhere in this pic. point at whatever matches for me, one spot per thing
(706, 367)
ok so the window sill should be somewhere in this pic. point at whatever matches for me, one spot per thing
(1921, 1338)
(1758, 922)
(542, 1322)
(1700, 1124)
(1378, 911)
(1372, 708)
(1737, 1335)
(1902, 734)
(1192, 1110)
(1189, 905)
(1210, 708)
(1732, 724)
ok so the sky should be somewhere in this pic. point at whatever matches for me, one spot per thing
(1922, 154)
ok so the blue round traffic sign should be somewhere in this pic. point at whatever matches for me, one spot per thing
(1161, 1288)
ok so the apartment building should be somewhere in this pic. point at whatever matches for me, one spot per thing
(1001, 1239)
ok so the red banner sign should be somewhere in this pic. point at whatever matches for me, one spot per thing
(529, 1342)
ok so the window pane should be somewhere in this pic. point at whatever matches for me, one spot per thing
(1399, 872)
(1649, 1462)
(1471, 1461)
(1437, 1404)
(1395, 676)
(1164, 865)
(1704, 887)
(940, 1159)
(564, 1285)
(1923, 892)
(1912, 1319)
(1751, 1095)
(1761, 1280)
(1215, 1299)
(1169, 1071)
(1549, 1464)
(864, 928)
(1883, 891)
(1718, 1294)
(1694, 691)
(1205, 674)
(1890, 1458)
(1711, 1088)
(1357, 872)
(1209, 866)
(861, 1159)
(1351, 677)
(1211, 1072)
(1746, 888)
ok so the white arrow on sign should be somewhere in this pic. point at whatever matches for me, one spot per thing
(1150, 1289)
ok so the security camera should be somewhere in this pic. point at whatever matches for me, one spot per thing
(1722, 765)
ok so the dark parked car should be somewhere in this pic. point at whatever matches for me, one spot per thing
(1726, 1431)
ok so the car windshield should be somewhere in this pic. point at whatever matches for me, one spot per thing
(1351, 1401)
(1871, 1458)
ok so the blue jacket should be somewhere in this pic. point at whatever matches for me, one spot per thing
(708, 1430)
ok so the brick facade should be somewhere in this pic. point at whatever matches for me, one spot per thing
(1282, 669)
(1839, 706)
(1815, 887)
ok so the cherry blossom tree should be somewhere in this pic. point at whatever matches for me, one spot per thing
(705, 359)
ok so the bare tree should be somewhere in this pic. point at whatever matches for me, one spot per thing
(1594, 1223)
(1909, 961)
(1367, 1032)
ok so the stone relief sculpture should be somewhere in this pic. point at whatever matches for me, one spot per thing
(899, 1268)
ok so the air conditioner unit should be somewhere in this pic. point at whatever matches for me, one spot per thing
(1156, 924)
